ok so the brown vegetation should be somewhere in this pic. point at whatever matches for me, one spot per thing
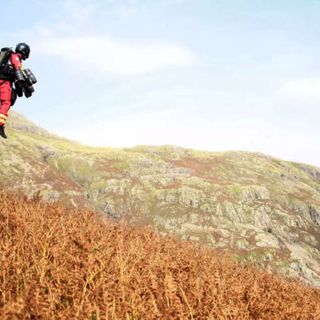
(58, 263)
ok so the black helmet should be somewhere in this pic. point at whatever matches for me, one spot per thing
(23, 49)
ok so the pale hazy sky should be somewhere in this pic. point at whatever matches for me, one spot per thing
(206, 74)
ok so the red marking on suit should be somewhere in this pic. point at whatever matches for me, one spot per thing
(16, 61)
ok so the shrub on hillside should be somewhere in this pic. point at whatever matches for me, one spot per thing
(58, 263)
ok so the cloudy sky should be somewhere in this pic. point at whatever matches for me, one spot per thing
(206, 74)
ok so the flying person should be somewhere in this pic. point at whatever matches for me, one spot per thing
(14, 80)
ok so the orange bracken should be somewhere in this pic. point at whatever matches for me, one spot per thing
(60, 263)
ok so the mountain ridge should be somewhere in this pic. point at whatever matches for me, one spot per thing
(260, 208)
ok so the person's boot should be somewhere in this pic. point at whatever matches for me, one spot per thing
(2, 133)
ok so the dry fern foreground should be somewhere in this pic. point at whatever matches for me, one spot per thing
(57, 263)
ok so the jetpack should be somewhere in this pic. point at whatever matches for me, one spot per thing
(25, 80)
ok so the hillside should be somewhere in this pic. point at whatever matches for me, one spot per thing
(259, 208)
(58, 263)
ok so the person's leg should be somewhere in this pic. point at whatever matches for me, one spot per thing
(5, 101)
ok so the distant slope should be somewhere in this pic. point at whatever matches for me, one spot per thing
(262, 209)
(67, 264)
